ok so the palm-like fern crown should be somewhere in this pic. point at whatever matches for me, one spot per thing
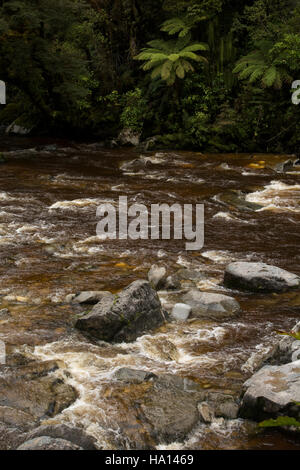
(171, 59)
(180, 26)
(258, 65)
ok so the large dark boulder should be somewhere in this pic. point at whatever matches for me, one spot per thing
(129, 314)
(259, 277)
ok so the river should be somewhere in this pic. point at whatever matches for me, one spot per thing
(49, 248)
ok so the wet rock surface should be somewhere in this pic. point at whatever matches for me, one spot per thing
(46, 254)
(259, 277)
(29, 393)
(48, 443)
(132, 312)
(157, 276)
(165, 407)
(272, 391)
(73, 435)
(88, 297)
(213, 306)
(159, 408)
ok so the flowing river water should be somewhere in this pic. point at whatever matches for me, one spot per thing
(49, 249)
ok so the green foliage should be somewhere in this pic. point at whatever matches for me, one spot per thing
(281, 421)
(181, 26)
(258, 67)
(291, 334)
(38, 58)
(169, 60)
(134, 110)
(73, 66)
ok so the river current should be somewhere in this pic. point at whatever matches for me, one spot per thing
(49, 249)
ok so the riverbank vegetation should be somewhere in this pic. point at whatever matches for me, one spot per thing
(213, 75)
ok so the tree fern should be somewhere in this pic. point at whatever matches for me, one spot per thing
(171, 59)
(180, 26)
(258, 66)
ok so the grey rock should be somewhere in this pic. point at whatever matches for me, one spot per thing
(48, 443)
(181, 312)
(128, 137)
(185, 274)
(213, 306)
(159, 408)
(15, 417)
(17, 129)
(228, 410)
(133, 312)
(10, 436)
(157, 276)
(126, 374)
(259, 277)
(238, 199)
(272, 391)
(284, 166)
(172, 283)
(206, 412)
(31, 389)
(88, 297)
(76, 436)
(170, 407)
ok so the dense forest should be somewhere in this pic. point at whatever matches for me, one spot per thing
(213, 75)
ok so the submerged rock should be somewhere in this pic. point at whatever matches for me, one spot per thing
(125, 374)
(29, 393)
(159, 409)
(62, 431)
(10, 436)
(87, 297)
(157, 276)
(284, 166)
(206, 412)
(160, 348)
(272, 391)
(48, 443)
(212, 306)
(259, 277)
(131, 313)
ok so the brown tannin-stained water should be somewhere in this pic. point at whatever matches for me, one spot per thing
(49, 249)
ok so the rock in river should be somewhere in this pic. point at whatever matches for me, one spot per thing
(272, 391)
(157, 276)
(73, 435)
(259, 277)
(48, 443)
(154, 408)
(28, 393)
(124, 317)
(87, 297)
(212, 306)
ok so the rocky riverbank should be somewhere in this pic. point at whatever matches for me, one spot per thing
(160, 408)
(176, 330)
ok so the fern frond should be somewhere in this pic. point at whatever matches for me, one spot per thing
(269, 77)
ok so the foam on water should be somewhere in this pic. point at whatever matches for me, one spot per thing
(277, 197)
(79, 204)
